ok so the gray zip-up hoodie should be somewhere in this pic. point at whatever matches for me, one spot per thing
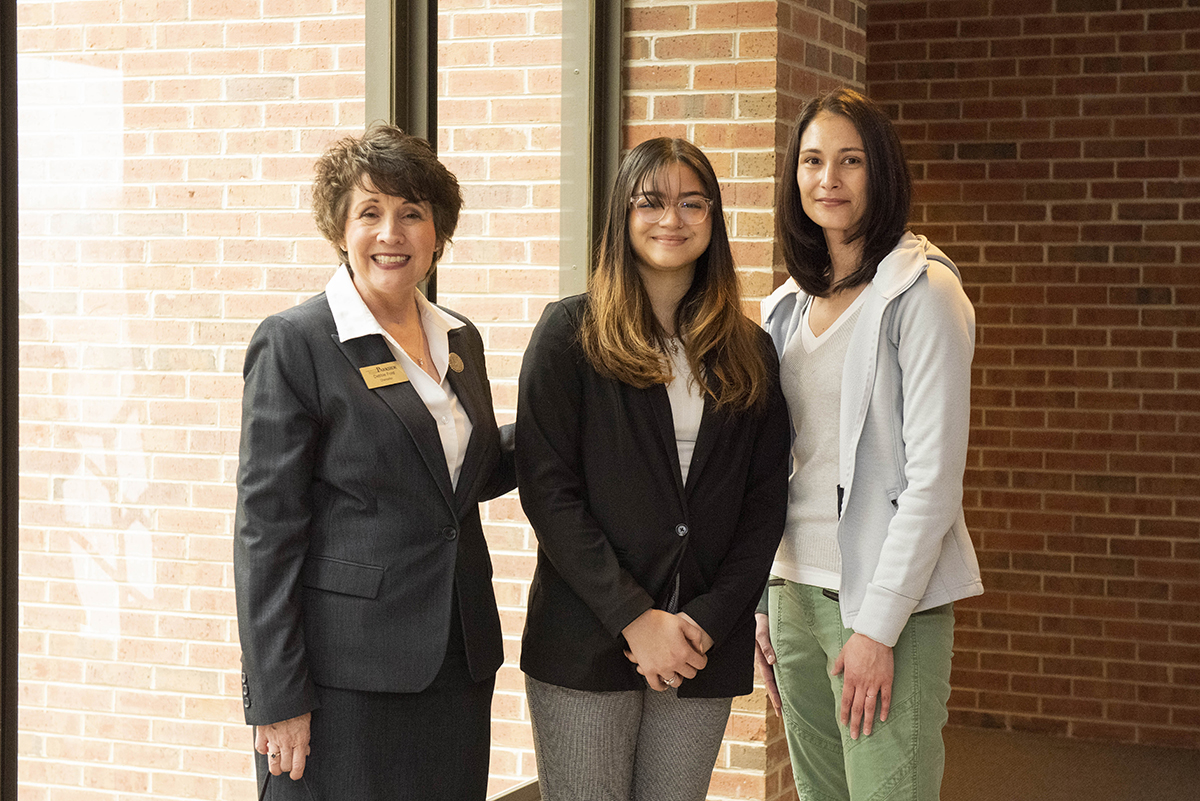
(903, 433)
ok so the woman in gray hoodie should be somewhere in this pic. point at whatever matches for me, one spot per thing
(876, 337)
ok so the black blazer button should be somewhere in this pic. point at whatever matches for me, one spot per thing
(449, 532)
(681, 530)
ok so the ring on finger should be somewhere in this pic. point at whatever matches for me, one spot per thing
(669, 682)
(273, 756)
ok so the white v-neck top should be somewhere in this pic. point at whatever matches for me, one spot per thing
(810, 372)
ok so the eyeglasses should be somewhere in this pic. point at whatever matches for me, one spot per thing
(689, 210)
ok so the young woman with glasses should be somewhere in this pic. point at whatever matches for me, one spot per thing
(652, 462)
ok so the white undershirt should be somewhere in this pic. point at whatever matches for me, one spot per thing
(354, 319)
(687, 407)
(810, 372)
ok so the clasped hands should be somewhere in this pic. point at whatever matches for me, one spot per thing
(667, 648)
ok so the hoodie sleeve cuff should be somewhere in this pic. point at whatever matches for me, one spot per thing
(883, 615)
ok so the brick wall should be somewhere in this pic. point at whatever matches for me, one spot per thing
(1055, 150)
(822, 45)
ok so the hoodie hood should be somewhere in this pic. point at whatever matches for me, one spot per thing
(896, 273)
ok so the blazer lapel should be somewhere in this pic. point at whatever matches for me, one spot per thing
(706, 438)
(406, 403)
(660, 405)
(469, 389)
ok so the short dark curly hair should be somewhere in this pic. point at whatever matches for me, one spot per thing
(394, 163)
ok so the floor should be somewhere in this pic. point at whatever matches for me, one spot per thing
(991, 765)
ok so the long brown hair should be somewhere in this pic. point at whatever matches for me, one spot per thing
(621, 337)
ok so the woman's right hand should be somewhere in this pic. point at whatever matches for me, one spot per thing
(662, 645)
(285, 745)
(764, 657)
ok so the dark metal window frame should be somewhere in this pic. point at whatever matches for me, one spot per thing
(401, 72)
(591, 132)
(9, 280)
(401, 88)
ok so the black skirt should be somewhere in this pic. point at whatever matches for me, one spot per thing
(370, 746)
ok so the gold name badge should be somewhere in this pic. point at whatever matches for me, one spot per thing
(383, 375)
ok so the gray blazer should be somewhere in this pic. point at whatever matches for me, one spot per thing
(349, 539)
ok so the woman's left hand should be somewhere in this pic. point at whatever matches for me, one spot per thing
(867, 666)
(285, 744)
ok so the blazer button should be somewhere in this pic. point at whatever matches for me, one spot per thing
(449, 532)
(681, 530)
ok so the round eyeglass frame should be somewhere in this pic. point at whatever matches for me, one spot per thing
(682, 211)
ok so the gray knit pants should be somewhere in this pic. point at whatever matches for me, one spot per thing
(639, 745)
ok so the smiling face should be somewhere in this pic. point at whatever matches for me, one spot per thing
(390, 243)
(832, 175)
(669, 245)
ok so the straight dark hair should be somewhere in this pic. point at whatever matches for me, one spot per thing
(889, 196)
(620, 336)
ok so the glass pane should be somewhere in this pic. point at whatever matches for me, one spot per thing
(166, 151)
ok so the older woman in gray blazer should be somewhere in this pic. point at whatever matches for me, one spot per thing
(369, 631)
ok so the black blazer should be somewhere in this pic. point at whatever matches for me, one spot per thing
(618, 531)
(348, 538)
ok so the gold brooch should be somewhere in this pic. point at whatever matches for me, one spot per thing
(456, 362)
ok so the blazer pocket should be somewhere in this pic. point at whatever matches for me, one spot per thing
(338, 575)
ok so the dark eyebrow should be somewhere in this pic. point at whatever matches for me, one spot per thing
(842, 150)
(656, 195)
